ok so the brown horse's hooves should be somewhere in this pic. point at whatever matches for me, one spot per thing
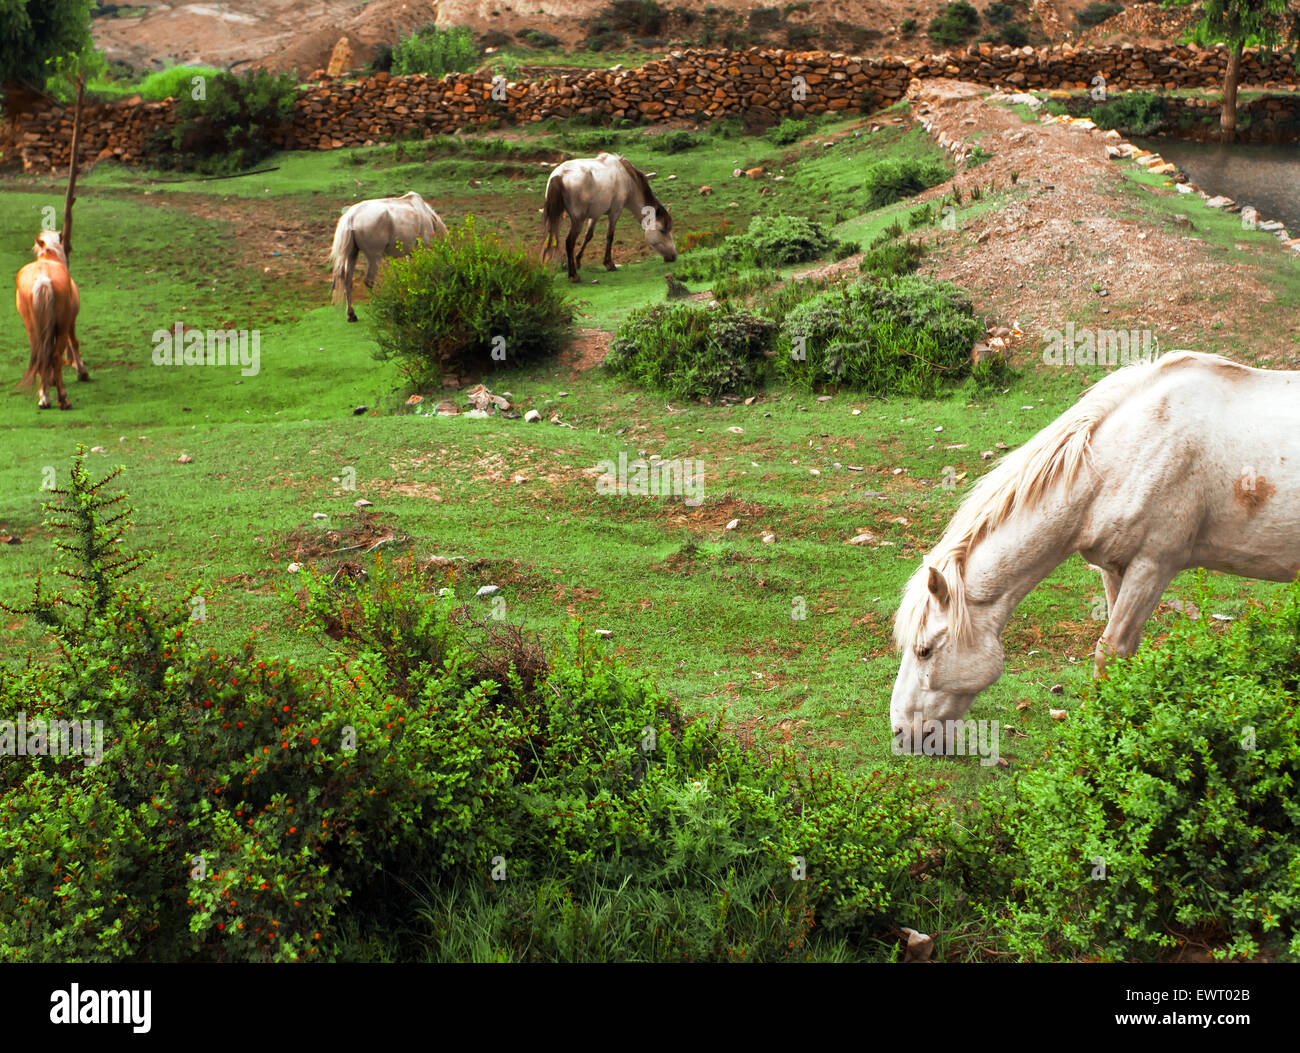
(83, 376)
(352, 318)
(611, 267)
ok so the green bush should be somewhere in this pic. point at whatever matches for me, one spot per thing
(1016, 34)
(235, 122)
(674, 142)
(688, 352)
(957, 22)
(455, 303)
(1132, 113)
(436, 52)
(1096, 13)
(907, 27)
(893, 258)
(1178, 776)
(778, 241)
(895, 178)
(770, 242)
(999, 14)
(896, 336)
(789, 131)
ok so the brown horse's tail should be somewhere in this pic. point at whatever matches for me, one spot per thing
(43, 321)
(552, 213)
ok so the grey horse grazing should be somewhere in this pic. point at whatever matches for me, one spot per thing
(386, 226)
(590, 187)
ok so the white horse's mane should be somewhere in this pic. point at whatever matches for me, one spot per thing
(1018, 482)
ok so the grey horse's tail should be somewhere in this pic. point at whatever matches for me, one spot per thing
(342, 255)
(552, 213)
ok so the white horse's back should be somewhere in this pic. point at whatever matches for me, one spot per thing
(386, 226)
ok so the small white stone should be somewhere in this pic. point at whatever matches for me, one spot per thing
(487, 590)
(294, 568)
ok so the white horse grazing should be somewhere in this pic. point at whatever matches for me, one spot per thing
(1187, 461)
(590, 187)
(385, 226)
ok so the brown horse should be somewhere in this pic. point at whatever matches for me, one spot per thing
(48, 302)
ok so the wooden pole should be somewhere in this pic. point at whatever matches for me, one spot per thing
(71, 197)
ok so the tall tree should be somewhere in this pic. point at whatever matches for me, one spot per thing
(1269, 24)
(33, 34)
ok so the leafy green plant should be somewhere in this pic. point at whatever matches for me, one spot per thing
(455, 304)
(1096, 13)
(227, 123)
(955, 24)
(893, 258)
(436, 52)
(789, 131)
(894, 179)
(685, 351)
(770, 242)
(1168, 806)
(674, 142)
(904, 335)
(1131, 113)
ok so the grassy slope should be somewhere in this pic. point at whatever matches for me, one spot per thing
(708, 612)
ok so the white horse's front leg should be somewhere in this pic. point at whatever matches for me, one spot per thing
(1138, 592)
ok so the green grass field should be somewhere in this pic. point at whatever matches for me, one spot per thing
(712, 614)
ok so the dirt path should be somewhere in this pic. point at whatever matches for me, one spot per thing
(1060, 248)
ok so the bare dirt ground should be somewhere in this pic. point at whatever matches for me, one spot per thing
(287, 34)
(1061, 246)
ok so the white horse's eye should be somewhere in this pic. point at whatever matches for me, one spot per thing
(923, 652)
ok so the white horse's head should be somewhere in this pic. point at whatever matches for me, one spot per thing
(659, 234)
(951, 650)
(49, 246)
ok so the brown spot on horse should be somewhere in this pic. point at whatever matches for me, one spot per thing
(1252, 492)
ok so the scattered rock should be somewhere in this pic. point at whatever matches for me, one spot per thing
(319, 515)
(294, 568)
(185, 458)
(1057, 714)
(732, 524)
(532, 416)
(919, 946)
(360, 410)
(361, 502)
(862, 539)
(487, 590)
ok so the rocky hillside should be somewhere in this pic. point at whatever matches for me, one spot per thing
(286, 34)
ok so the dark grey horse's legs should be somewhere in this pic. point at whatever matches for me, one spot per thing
(591, 229)
(609, 246)
(569, 242)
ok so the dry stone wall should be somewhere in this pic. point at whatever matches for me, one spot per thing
(762, 85)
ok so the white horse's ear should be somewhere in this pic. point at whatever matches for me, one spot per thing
(938, 587)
